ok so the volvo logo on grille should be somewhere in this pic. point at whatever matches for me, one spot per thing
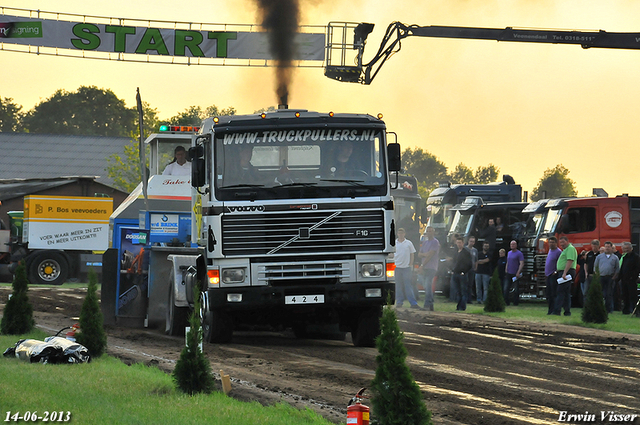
(304, 233)
(247, 208)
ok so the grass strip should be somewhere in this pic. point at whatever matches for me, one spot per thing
(106, 391)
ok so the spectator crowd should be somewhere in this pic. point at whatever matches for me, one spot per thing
(471, 270)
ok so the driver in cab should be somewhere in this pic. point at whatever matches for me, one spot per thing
(344, 164)
(240, 170)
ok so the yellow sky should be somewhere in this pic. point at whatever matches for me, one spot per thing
(523, 107)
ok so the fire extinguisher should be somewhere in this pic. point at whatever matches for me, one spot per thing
(358, 413)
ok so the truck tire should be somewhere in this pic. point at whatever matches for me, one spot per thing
(48, 268)
(366, 328)
(216, 326)
(176, 316)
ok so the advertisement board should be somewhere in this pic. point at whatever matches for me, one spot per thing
(69, 223)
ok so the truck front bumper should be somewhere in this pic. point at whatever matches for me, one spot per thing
(337, 296)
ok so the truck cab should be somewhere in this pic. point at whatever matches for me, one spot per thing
(296, 223)
(472, 217)
(581, 220)
(442, 199)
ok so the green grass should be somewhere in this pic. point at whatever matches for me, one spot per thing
(106, 391)
(536, 311)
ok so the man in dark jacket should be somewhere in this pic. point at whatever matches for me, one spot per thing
(629, 270)
(461, 265)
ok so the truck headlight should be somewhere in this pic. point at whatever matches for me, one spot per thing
(232, 275)
(371, 269)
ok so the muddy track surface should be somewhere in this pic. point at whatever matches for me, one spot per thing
(471, 369)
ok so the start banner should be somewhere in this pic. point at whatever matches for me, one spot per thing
(141, 40)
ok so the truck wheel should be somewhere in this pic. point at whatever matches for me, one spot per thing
(366, 328)
(176, 316)
(216, 326)
(49, 268)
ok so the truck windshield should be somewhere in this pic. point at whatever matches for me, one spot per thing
(318, 163)
(439, 216)
(534, 226)
(460, 223)
(553, 216)
(406, 213)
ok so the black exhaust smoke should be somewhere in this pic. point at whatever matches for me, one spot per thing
(280, 19)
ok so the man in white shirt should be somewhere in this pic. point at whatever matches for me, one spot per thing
(179, 166)
(405, 252)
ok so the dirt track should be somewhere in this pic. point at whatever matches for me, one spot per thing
(471, 369)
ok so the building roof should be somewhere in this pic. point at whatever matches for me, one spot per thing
(45, 156)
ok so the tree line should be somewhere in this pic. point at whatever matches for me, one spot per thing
(93, 111)
(429, 171)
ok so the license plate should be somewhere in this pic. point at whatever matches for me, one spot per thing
(304, 299)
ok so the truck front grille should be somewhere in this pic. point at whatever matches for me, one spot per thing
(302, 232)
(320, 272)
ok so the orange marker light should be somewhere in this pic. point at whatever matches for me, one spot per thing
(391, 269)
(214, 277)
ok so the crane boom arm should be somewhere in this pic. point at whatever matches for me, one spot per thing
(603, 39)
(398, 31)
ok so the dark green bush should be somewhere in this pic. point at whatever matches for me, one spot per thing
(17, 318)
(396, 396)
(192, 373)
(495, 301)
(594, 310)
(92, 334)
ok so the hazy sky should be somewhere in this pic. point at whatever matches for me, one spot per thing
(523, 107)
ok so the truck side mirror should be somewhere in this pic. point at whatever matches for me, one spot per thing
(196, 155)
(393, 155)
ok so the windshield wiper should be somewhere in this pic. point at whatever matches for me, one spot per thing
(236, 186)
(352, 182)
(305, 184)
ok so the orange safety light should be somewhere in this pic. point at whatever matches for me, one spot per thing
(391, 269)
(214, 277)
(331, 114)
(379, 116)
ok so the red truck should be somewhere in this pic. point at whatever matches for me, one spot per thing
(582, 220)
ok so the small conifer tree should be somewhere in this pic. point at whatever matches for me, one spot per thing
(594, 310)
(396, 396)
(17, 318)
(92, 334)
(495, 301)
(192, 373)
